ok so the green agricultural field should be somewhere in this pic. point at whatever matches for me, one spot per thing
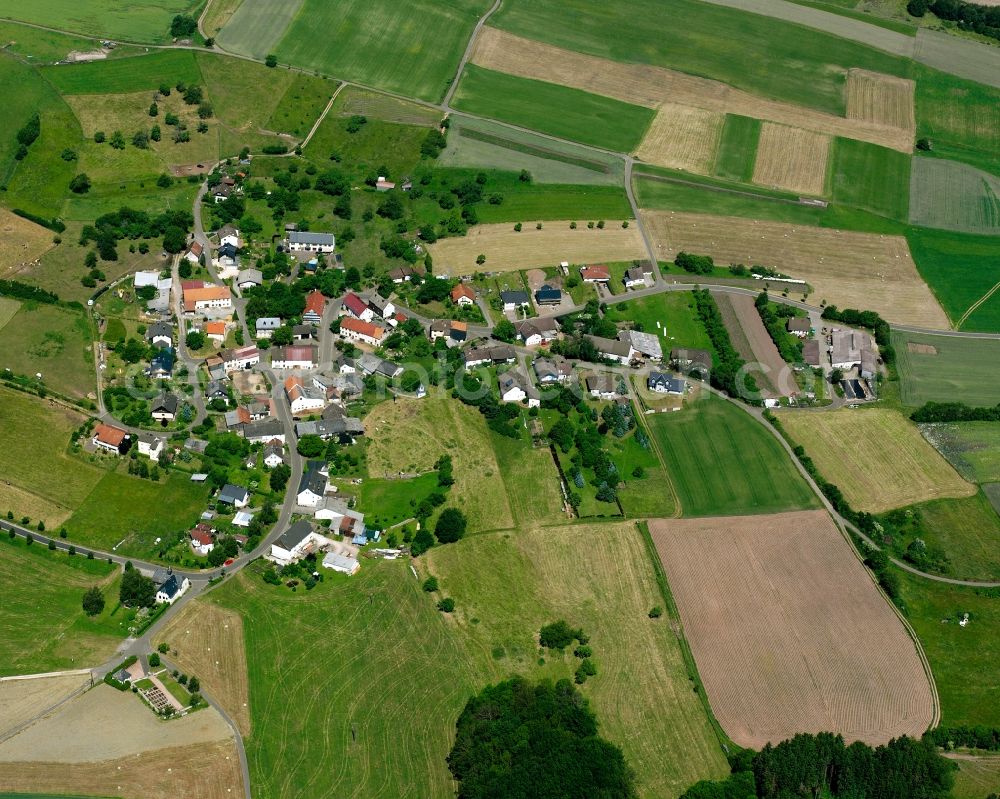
(552, 201)
(388, 502)
(378, 144)
(674, 310)
(54, 341)
(871, 177)
(123, 75)
(42, 624)
(750, 51)
(301, 105)
(145, 22)
(723, 463)
(968, 531)
(959, 370)
(738, 148)
(973, 448)
(257, 26)
(549, 108)
(8, 308)
(133, 512)
(954, 196)
(965, 660)
(531, 479)
(242, 94)
(961, 270)
(411, 49)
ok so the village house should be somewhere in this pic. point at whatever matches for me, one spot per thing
(265, 326)
(494, 355)
(111, 438)
(456, 333)
(799, 326)
(597, 273)
(274, 455)
(553, 370)
(160, 334)
(202, 538)
(169, 586)
(194, 252)
(207, 298)
(381, 306)
(264, 431)
(301, 241)
(216, 366)
(242, 358)
(613, 349)
(516, 387)
(663, 383)
(227, 256)
(249, 278)
(304, 333)
(296, 542)
(850, 349)
(343, 428)
(602, 386)
(384, 185)
(356, 307)
(315, 304)
(229, 235)
(295, 356)
(161, 366)
(164, 407)
(312, 486)
(402, 274)
(512, 300)
(811, 353)
(342, 519)
(534, 332)
(547, 295)
(638, 276)
(373, 365)
(234, 495)
(687, 360)
(150, 445)
(302, 398)
(645, 344)
(215, 331)
(356, 330)
(463, 295)
(216, 389)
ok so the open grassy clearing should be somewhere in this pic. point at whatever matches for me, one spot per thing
(597, 577)
(682, 137)
(53, 341)
(976, 776)
(590, 203)
(531, 479)
(881, 99)
(650, 85)
(42, 624)
(256, 26)
(410, 435)
(870, 177)
(123, 75)
(852, 270)
(947, 369)
(8, 308)
(301, 105)
(973, 448)
(207, 641)
(242, 94)
(509, 251)
(355, 100)
(21, 243)
(104, 198)
(738, 148)
(877, 457)
(412, 49)
(146, 22)
(954, 196)
(964, 659)
(550, 108)
(792, 159)
(722, 462)
(790, 632)
(967, 531)
(675, 313)
(134, 512)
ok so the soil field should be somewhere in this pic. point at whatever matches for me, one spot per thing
(773, 375)
(22, 243)
(791, 158)
(682, 137)
(509, 251)
(876, 457)
(410, 435)
(207, 641)
(880, 99)
(652, 86)
(851, 270)
(962, 370)
(23, 700)
(954, 196)
(208, 771)
(789, 631)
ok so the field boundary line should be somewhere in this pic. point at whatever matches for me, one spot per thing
(722, 189)
(44, 675)
(969, 311)
(322, 116)
(446, 102)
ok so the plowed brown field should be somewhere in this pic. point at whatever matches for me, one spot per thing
(789, 631)
(651, 86)
(751, 339)
(792, 159)
(880, 99)
(851, 270)
(682, 137)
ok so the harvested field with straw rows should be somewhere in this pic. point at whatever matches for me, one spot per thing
(754, 343)
(789, 631)
(509, 251)
(207, 641)
(792, 159)
(851, 270)
(23, 700)
(876, 457)
(652, 86)
(21, 243)
(880, 99)
(682, 137)
(207, 771)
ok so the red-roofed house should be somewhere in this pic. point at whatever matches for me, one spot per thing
(361, 331)
(216, 330)
(194, 254)
(463, 295)
(302, 356)
(598, 273)
(384, 185)
(208, 297)
(201, 539)
(356, 307)
(315, 303)
(110, 438)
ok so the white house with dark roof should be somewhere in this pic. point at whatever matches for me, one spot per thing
(663, 383)
(296, 542)
(172, 587)
(150, 445)
(516, 387)
(234, 495)
(303, 241)
(312, 486)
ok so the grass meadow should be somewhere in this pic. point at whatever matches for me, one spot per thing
(243, 94)
(976, 776)
(723, 463)
(531, 480)
(874, 178)
(973, 448)
(301, 105)
(54, 341)
(960, 370)
(256, 26)
(556, 110)
(968, 531)
(123, 75)
(675, 313)
(552, 201)
(45, 46)
(145, 22)
(954, 196)
(738, 148)
(42, 624)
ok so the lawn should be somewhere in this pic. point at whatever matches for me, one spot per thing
(133, 512)
(301, 105)
(760, 54)
(958, 370)
(556, 110)
(52, 341)
(531, 479)
(412, 49)
(42, 624)
(122, 75)
(724, 463)
(976, 777)
(738, 148)
(674, 312)
(973, 448)
(965, 660)
(649, 496)
(874, 178)
(145, 22)
(388, 502)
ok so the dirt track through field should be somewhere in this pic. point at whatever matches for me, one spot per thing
(851, 270)
(652, 86)
(207, 641)
(508, 251)
(789, 632)
(880, 99)
(683, 137)
(739, 313)
(23, 700)
(792, 159)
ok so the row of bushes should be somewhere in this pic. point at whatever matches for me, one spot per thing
(955, 412)
(51, 224)
(979, 737)
(109, 678)
(984, 20)
(22, 291)
(774, 319)
(725, 372)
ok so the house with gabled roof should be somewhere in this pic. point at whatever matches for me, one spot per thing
(305, 241)
(312, 486)
(463, 294)
(113, 439)
(160, 334)
(234, 495)
(295, 356)
(296, 542)
(354, 306)
(357, 330)
(596, 273)
(301, 397)
(534, 332)
(516, 387)
(315, 304)
(164, 407)
(613, 349)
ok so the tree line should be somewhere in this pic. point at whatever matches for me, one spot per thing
(984, 20)
(775, 319)
(728, 363)
(22, 291)
(955, 412)
(868, 319)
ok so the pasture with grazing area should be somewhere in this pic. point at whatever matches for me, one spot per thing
(876, 457)
(976, 776)
(966, 530)
(531, 479)
(792, 159)
(790, 632)
(53, 341)
(947, 369)
(148, 21)
(973, 448)
(954, 196)
(721, 461)
(847, 269)
(507, 250)
(738, 148)
(123, 75)
(355, 100)
(682, 137)
(597, 577)
(21, 244)
(874, 178)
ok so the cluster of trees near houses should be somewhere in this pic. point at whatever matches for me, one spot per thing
(867, 319)
(575, 327)
(128, 223)
(775, 316)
